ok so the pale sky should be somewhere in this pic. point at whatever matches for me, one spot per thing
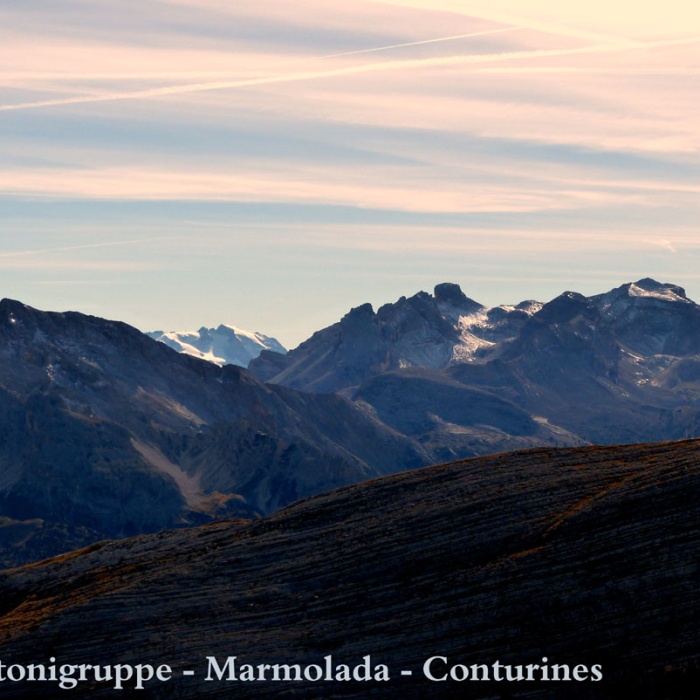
(179, 163)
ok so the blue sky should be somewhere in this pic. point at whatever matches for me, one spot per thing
(180, 163)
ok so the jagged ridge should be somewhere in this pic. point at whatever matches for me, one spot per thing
(623, 366)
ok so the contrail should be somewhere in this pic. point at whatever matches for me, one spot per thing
(142, 76)
(82, 246)
(418, 43)
(348, 70)
(557, 28)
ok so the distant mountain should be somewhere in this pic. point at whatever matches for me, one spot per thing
(107, 433)
(464, 379)
(449, 329)
(571, 560)
(429, 331)
(225, 345)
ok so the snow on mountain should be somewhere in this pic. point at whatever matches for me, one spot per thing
(667, 293)
(485, 328)
(225, 345)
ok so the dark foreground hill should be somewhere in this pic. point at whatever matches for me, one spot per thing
(588, 557)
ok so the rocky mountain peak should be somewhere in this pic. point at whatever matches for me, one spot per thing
(562, 308)
(450, 293)
(361, 311)
(646, 291)
(11, 311)
(8, 305)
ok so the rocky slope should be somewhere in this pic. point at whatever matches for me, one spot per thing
(107, 433)
(588, 557)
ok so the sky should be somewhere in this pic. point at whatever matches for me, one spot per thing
(180, 163)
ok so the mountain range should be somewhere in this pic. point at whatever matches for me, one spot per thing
(107, 433)
(576, 558)
(623, 366)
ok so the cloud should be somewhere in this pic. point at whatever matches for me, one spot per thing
(78, 283)
(464, 59)
(247, 65)
(7, 255)
(52, 258)
(389, 188)
(585, 20)
(134, 266)
(492, 14)
(420, 43)
(435, 242)
(666, 245)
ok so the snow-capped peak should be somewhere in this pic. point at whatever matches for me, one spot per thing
(224, 345)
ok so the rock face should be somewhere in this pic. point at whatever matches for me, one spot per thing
(224, 345)
(107, 433)
(588, 557)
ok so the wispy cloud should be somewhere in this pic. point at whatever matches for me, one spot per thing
(594, 20)
(404, 45)
(38, 264)
(7, 255)
(348, 70)
(80, 283)
(666, 245)
(430, 240)
(386, 188)
(61, 80)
